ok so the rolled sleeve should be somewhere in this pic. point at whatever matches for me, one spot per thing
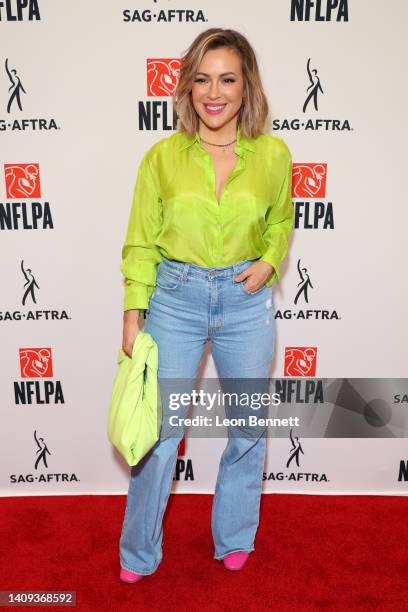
(280, 220)
(140, 253)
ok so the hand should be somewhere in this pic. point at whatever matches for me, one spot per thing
(131, 327)
(257, 273)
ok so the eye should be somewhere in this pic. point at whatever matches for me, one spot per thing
(202, 80)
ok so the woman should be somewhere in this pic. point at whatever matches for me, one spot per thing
(208, 230)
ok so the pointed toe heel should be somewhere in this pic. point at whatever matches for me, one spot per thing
(236, 560)
(128, 576)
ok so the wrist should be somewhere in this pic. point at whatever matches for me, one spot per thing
(132, 314)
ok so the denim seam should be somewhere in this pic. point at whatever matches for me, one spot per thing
(185, 270)
(247, 550)
(176, 279)
(188, 269)
(152, 570)
(215, 494)
(126, 516)
(142, 573)
(168, 493)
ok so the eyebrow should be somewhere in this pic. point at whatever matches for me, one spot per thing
(223, 74)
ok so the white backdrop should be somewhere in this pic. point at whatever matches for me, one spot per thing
(82, 69)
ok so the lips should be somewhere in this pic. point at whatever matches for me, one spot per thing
(214, 109)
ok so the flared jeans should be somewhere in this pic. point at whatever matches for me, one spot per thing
(189, 306)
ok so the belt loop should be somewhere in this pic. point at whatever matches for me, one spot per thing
(184, 273)
(236, 269)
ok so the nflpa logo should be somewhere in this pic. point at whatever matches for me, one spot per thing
(309, 181)
(300, 361)
(162, 76)
(35, 362)
(22, 181)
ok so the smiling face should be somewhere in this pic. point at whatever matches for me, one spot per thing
(218, 87)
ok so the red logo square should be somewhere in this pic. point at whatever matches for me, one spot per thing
(309, 181)
(162, 76)
(300, 361)
(35, 362)
(22, 181)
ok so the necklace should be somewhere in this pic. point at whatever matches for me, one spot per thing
(214, 144)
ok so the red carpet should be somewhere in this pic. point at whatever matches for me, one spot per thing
(312, 553)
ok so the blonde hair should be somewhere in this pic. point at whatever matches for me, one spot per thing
(254, 110)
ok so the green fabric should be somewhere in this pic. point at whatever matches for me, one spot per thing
(175, 212)
(135, 410)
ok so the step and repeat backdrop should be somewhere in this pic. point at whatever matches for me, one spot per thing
(85, 89)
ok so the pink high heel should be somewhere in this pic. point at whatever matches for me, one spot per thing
(235, 560)
(128, 576)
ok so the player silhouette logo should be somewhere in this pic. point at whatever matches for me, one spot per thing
(16, 87)
(309, 180)
(314, 87)
(162, 76)
(300, 361)
(29, 284)
(295, 450)
(41, 451)
(22, 180)
(35, 362)
(304, 283)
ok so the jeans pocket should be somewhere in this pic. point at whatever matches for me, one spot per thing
(251, 292)
(166, 279)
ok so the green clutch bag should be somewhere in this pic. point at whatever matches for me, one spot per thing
(135, 410)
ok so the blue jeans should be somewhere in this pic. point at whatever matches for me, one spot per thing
(190, 305)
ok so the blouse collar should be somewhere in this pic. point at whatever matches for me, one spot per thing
(242, 142)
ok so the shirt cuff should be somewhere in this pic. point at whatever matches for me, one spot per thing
(136, 296)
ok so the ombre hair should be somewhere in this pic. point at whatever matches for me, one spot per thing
(254, 109)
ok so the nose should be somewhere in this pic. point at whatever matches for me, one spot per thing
(213, 91)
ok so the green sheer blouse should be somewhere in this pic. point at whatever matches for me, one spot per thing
(175, 212)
